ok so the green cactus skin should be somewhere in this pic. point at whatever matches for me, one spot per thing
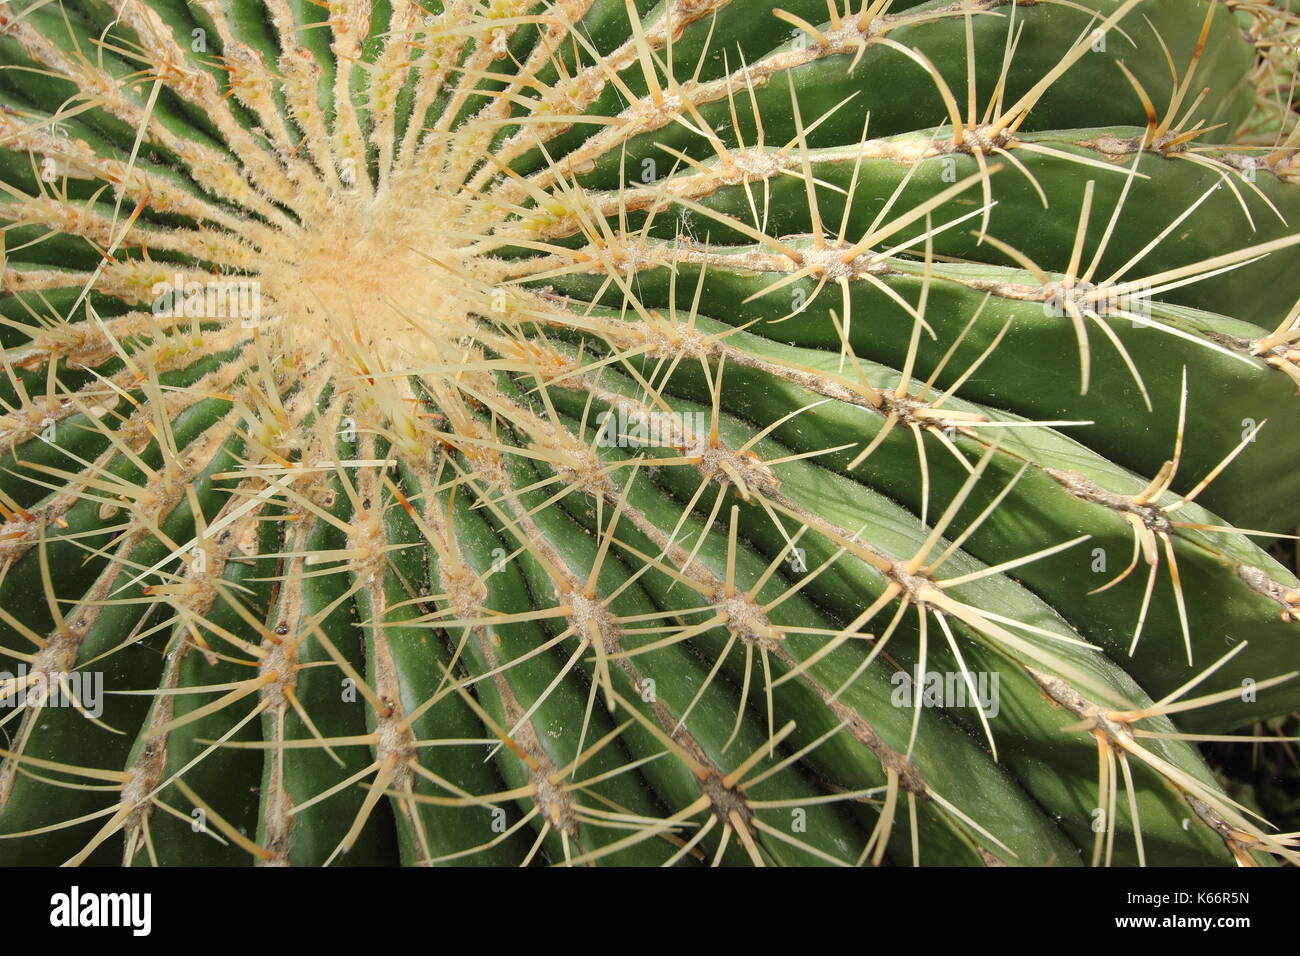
(624, 402)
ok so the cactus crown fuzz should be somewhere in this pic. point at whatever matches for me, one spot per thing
(510, 432)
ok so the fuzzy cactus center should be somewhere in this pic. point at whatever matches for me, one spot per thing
(374, 284)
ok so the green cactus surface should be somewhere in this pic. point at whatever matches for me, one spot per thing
(640, 432)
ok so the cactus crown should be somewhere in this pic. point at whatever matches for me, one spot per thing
(643, 431)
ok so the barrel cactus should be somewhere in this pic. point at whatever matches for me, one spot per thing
(520, 432)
